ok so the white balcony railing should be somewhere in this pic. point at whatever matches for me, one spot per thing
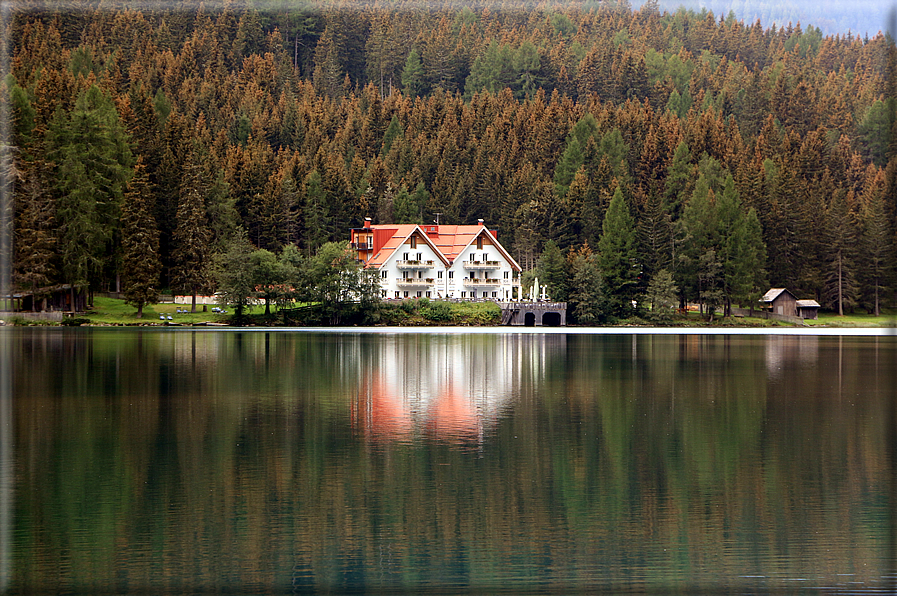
(475, 282)
(412, 282)
(481, 265)
(414, 264)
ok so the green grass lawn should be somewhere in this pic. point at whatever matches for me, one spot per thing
(887, 319)
(112, 311)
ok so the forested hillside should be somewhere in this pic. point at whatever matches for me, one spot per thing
(733, 155)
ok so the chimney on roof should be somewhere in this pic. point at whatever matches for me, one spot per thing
(367, 222)
(481, 222)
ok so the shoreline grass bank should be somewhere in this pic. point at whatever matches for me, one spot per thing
(114, 312)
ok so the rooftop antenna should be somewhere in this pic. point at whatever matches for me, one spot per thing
(437, 218)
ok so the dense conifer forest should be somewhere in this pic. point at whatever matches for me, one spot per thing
(617, 150)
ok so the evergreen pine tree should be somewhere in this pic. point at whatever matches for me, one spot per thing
(413, 79)
(191, 236)
(90, 148)
(840, 281)
(35, 242)
(617, 255)
(552, 272)
(661, 297)
(140, 243)
(878, 246)
(587, 301)
(317, 221)
(679, 181)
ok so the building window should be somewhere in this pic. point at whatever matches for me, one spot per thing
(506, 275)
(370, 242)
(439, 274)
(419, 257)
(428, 294)
(383, 293)
(414, 242)
(451, 275)
(404, 275)
(384, 274)
(420, 275)
(397, 293)
(473, 257)
(480, 243)
(405, 294)
(494, 294)
(485, 256)
(418, 294)
(404, 256)
(464, 294)
(473, 293)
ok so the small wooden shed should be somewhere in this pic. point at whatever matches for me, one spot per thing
(780, 301)
(808, 309)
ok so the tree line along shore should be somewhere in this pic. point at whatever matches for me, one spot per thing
(624, 156)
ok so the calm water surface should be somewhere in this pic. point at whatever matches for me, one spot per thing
(170, 461)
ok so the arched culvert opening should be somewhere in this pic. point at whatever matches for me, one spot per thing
(551, 319)
(529, 319)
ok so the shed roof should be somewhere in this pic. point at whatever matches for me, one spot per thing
(774, 293)
(807, 304)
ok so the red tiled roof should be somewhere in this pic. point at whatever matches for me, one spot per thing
(449, 240)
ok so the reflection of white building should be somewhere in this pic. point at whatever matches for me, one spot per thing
(450, 387)
(437, 261)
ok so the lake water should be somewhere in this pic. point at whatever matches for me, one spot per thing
(180, 461)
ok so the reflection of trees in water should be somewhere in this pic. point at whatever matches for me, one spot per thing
(151, 460)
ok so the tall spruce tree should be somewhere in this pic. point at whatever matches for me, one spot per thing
(35, 231)
(840, 281)
(878, 246)
(661, 297)
(141, 265)
(93, 163)
(617, 255)
(587, 298)
(698, 232)
(679, 181)
(192, 246)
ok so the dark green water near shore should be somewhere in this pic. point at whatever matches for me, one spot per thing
(181, 461)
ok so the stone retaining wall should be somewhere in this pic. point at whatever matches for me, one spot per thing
(55, 316)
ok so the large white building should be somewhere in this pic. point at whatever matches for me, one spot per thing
(438, 261)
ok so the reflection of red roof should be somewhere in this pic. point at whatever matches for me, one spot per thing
(453, 417)
(383, 414)
(447, 240)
